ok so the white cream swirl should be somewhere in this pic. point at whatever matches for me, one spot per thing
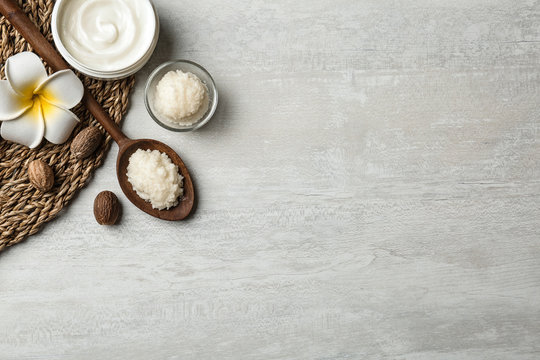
(106, 35)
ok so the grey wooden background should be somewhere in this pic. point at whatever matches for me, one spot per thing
(369, 189)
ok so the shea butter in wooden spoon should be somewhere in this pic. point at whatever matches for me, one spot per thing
(127, 147)
(185, 205)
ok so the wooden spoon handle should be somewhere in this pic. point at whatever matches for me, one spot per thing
(31, 33)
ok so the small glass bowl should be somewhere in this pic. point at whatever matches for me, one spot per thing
(185, 66)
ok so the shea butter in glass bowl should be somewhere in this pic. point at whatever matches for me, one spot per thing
(187, 67)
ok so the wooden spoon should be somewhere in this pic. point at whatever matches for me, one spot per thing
(30, 32)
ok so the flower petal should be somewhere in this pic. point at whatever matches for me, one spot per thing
(27, 129)
(63, 89)
(25, 72)
(59, 123)
(12, 105)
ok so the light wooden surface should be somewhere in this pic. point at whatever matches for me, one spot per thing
(369, 188)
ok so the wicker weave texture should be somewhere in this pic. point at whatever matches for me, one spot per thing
(24, 210)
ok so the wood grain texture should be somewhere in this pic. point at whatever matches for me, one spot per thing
(368, 189)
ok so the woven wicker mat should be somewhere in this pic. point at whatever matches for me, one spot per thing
(23, 210)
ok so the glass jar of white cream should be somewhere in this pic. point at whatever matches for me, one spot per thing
(106, 39)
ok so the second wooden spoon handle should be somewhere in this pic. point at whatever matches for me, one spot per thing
(31, 33)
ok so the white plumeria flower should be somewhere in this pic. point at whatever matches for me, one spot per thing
(34, 105)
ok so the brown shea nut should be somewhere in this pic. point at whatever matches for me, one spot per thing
(106, 208)
(86, 142)
(41, 175)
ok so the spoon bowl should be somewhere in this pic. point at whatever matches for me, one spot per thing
(186, 201)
